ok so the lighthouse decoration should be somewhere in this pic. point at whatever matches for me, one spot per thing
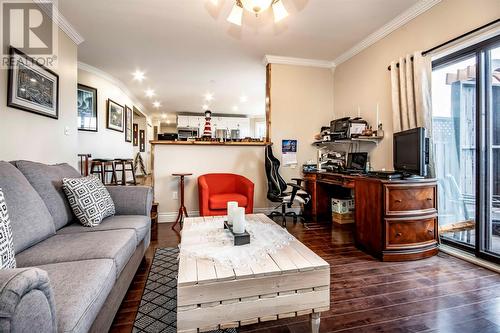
(207, 132)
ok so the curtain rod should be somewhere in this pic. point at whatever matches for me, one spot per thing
(454, 39)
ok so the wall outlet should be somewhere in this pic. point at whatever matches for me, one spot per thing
(175, 195)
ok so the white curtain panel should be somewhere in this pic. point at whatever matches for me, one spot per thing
(411, 95)
(411, 92)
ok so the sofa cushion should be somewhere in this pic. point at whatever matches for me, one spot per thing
(118, 245)
(89, 199)
(139, 223)
(80, 290)
(7, 256)
(30, 219)
(47, 181)
(219, 201)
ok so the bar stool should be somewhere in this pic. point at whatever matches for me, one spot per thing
(125, 164)
(182, 208)
(101, 168)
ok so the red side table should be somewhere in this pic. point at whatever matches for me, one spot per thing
(182, 208)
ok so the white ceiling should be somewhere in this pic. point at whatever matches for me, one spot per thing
(187, 48)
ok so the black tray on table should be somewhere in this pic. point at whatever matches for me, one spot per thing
(239, 239)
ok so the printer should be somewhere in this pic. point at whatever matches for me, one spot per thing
(347, 127)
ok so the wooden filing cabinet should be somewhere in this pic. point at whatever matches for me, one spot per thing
(397, 220)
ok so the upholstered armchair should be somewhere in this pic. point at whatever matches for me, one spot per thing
(216, 189)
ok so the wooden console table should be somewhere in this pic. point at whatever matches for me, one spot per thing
(396, 220)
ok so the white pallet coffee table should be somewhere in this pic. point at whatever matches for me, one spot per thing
(293, 281)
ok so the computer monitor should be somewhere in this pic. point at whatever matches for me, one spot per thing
(411, 152)
(357, 161)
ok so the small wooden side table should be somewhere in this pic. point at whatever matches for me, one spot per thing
(182, 208)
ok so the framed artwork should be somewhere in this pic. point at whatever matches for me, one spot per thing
(128, 124)
(87, 108)
(142, 141)
(32, 87)
(115, 114)
(136, 135)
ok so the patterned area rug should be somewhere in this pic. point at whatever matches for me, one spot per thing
(158, 309)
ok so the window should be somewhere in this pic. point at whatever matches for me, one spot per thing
(466, 138)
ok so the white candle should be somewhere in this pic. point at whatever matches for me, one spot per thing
(231, 205)
(378, 122)
(239, 220)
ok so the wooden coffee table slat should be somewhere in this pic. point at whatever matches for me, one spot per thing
(292, 281)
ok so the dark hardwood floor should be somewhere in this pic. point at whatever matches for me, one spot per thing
(439, 294)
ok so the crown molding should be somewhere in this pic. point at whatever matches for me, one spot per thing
(108, 77)
(419, 8)
(272, 59)
(60, 20)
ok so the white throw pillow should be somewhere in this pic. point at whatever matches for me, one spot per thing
(7, 255)
(89, 200)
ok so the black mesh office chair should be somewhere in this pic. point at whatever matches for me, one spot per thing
(277, 187)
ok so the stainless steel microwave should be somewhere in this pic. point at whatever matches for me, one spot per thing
(187, 132)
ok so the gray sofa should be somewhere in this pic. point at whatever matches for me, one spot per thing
(69, 278)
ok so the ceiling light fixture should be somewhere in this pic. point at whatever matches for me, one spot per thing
(163, 116)
(156, 104)
(256, 7)
(243, 99)
(235, 108)
(139, 75)
(150, 93)
(205, 107)
(209, 97)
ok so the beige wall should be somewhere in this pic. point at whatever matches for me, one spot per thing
(199, 160)
(365, 81)
(105, 143)
(29, 136)
(301, 102)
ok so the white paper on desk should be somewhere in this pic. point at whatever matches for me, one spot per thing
(289, 158)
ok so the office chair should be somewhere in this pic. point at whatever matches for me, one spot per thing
(276, 190)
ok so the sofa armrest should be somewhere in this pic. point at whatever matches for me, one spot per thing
(246, 187)
(203, 196)
(132, 200)
(26, 301)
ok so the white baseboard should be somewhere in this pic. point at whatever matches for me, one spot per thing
(171, 216)
(469, 257)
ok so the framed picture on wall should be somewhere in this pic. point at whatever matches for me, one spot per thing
(32, 87)
(128, 123)
(142, 141)
(115, 113)
(87, 108)
(136, 135)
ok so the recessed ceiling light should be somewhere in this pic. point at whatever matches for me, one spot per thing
(150, 93)
(235, 108)
(205, 107)
(209, 97)
(139, 75)
(243, 99)
(163, 116)
(156, 104)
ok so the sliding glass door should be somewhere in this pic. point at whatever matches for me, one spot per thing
(466, 139)
(491, 243)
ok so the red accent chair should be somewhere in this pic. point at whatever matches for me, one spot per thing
(216, 189)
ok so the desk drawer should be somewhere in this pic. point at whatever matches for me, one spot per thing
(410, 200)
(410, 232)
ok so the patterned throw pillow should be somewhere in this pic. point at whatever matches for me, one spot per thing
(7, 255)
(89, 199)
